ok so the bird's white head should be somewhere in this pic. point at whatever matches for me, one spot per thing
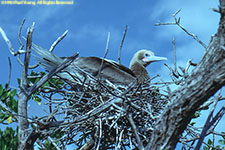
(145, 57)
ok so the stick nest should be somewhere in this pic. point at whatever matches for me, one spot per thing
(97, 114)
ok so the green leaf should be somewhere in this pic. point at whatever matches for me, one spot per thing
(37, 99)
(192, 123)
(9, 120)
(43, 73)
(13, 93)
(45, 84)
(36, 80)
(205, 148)
(197, 114)
(6, 85)
(1, 89)
(19, 81)
(209, 141)
(223, 136)
(4, 95)
(33, 73)
(2, 115)
(8, 139)
(14, 105)
(222, 142)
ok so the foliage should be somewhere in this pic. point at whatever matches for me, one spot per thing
(7, 98)
(8, 139)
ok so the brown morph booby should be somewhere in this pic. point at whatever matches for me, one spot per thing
(140, 61)
(111, 70)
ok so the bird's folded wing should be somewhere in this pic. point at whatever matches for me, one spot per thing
(110, 70)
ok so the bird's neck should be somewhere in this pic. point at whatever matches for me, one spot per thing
(140, 72)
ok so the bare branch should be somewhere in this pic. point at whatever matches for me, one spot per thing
(100, 134)
(106, 52)
(177, 22)
(174, 54)
(23, 97)
(215, 10)
(140, 144)
(118, 146)
(174, 15)
(121, 45)
(27, 57)
(19, 34)
(58, 68)
(207, 124)
(58, 40)
(53, 143)
(11, 49)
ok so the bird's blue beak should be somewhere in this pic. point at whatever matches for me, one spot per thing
(153, 59)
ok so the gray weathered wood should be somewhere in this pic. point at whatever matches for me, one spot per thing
(205, 80)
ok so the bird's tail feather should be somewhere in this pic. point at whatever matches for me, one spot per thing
(47, 59)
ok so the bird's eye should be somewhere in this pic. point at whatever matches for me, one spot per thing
(147, 54)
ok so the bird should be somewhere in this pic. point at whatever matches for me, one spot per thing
(106, 69)
(140, 61)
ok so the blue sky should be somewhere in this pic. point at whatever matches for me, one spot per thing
(89, 22)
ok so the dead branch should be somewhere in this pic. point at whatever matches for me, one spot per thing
(57, 69)
(106, 52)
(58, 40)
(177, 22)
(140, 144)
(121, 44)
(207, 125)
(174, 54)
(22, 96)
(21, 51)
(19, 34)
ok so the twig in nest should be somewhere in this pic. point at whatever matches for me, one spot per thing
(106, 52)
(140, 144)
(120, 141)
(53, 143)
(121, 45)
(100, 134)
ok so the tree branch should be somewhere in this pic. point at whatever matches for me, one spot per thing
(204, 81)
(177, 22)
(58, 40)
(22, 96)
(121, 44)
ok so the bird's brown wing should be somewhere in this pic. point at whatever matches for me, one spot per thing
(111, 70)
